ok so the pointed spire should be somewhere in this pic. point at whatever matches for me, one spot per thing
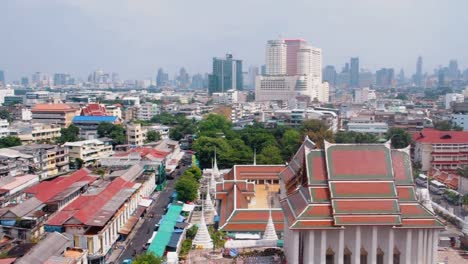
(215, 169)
(202, 238)
(209, 204)
(270, 232)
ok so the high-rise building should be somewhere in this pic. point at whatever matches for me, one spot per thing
(162, 78)
(61, 79)
(418, 78)
(2, 78)
(276, 57)
(24, 81)
(354, 73)
(198, 82)
(454, 73)
(329, 75)
(401, 77)
(385, 77)
(251, 76)
(226, 75)
(183, 79)
(292, 48)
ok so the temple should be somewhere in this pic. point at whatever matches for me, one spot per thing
(354, 203)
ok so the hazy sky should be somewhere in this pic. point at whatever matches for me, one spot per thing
(135, 37)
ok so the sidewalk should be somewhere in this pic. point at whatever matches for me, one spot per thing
(122, 246)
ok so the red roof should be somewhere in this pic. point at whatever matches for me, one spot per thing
(258, 172)
(433, 136)
(145, 152)
(352, 184)
(53, 108)
(47, 190)
(94, 110)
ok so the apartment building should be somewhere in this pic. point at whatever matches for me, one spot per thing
(49, 160)
(35, 133)
(147, 110)
(14, 163)
(60, 114)
(136, 135)
(442, 150)
(89, 151)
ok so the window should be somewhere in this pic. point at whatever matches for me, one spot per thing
(330, 257)
(380, 256)
(363, 256)
(396, 256)
(347, 256)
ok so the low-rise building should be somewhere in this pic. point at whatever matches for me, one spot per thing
(88, 124)
(147, 110)
(370, 127)
(49, 160)
(14, 163)
(108, 210)
(36, 132)
(442, 150)
(60, 114)
(89, 151)
(4, 128)
(114, 110)
(136, 135)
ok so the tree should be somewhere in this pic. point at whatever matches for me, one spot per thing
(5, 114)
(186, 188)
(147, 258)
(153, 136)
(191, 232)
(218, 237)
(402, 96)
(116, 132)
(399, 137)
(355, 137)
(213, 124)
(70, 134)
(9, 141)
(196, 172)
(270, 155)
(445, 125)
(290, 142)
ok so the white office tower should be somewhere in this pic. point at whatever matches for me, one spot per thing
(276, 57)
(288, 61)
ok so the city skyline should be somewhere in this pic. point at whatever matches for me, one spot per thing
(135, 39)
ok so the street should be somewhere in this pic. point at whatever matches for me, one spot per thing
(146, 229)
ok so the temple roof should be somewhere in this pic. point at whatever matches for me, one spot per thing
(352, 184)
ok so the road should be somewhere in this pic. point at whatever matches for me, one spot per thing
(146, 229)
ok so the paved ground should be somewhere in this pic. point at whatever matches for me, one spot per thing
(141, 234)
(452, 256)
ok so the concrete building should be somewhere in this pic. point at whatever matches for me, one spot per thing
(453, 98)
(136, 135)
(88, 124)
(89, 151)
(442, 150)
(114, 110)
(116, 208)
(48, 160)
(226, 75)
(355, 203)
(4, 128)
(364, 95)
(276, 57)
(368, 127)
(460, 120)
(5, 92)
(14, 163)
(147, 110)
(60, 114)
(275, 88)
(36, 132)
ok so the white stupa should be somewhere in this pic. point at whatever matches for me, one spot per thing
(270, 232)
(202, 238)
(209, 204)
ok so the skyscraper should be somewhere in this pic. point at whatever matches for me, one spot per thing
(385, 77)
(61, 79)
(292, 47)
(24, 81)
(418, 75)
(454, 74)
(2, 78)
(276, 57)
(162, 78)
(226, 75)
(329, 75)
(354, 73)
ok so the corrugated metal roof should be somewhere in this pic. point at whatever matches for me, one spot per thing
(54, 244)
(94, 119)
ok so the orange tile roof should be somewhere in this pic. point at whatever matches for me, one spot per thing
(367, 220)
(367, 189)
(377, 206)
(53, 108)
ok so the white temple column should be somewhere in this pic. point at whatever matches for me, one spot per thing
(341, 247)
(429, 246)
(373, 253)
(295, 246)
(357, 246)
(391, 245)
(425, 242)
(409, 243)
(435, 244)
(420, 246)
(309, 247)
(323, 247)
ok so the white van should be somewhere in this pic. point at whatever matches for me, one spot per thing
(437, 187)
(150, 240)
(421, 180)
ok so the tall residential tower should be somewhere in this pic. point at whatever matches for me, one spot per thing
(226, 75)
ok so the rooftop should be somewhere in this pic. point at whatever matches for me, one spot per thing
(433, 136)
(94, 119)
(53, 108)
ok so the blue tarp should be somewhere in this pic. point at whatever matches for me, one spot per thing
(94, 119)
(172, 245)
